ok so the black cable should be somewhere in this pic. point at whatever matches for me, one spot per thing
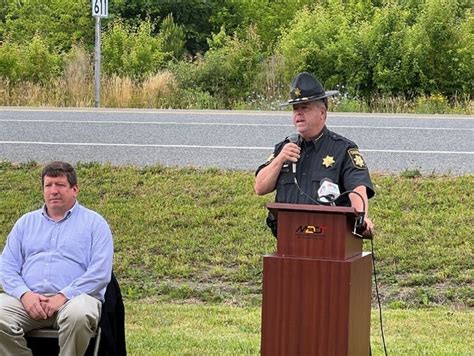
(305, 194)
(378, 297)
(347, 192)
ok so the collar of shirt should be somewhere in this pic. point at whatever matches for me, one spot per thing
(44, 212)
(314, 142)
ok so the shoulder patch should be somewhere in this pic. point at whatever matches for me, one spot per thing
(356, 158)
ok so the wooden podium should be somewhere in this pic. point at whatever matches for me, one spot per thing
(317, 287)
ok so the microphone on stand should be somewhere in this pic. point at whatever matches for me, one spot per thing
(328, 191)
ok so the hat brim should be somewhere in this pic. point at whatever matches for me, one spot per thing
(327, 94)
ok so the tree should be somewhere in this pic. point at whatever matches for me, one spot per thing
(437, 49)
(60, 23)
(173, 37)
(193, 15)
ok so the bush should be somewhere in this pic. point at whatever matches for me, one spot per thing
(228, 70)
(324, 41)
(60, 23)
(397, 49)
(132, 51)
(173, 38)
(39, 63)
(437, 49)
(384, 42)
(33, 62)
(10, 57)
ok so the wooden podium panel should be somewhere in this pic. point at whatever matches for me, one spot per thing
(315, 231)
(316, 306)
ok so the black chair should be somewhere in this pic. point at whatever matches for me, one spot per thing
(109, 339)
(44, 342)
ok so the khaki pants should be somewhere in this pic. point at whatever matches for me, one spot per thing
(77, 321)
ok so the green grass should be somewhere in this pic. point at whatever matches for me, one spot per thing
(200, 234)
(172, 329)
(189, 246)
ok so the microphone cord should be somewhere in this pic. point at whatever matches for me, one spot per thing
(304, 193)
(354, 192)
(378, 297)
(375, 273)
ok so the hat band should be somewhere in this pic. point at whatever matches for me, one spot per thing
(306, 98)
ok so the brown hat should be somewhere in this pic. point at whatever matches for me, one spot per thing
(306, 87)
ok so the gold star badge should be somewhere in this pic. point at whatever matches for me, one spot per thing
(328, 161)
(297, 92)
(357, 159)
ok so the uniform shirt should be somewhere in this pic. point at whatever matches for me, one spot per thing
(72, 256)
(329, 155)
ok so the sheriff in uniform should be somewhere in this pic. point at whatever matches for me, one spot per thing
(320, 154)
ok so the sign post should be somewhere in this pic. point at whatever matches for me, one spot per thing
(100, 8)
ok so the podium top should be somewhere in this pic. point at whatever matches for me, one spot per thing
(308, 208)
(316, 231)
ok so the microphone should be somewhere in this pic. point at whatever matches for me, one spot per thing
(328, 191)
(294, 138)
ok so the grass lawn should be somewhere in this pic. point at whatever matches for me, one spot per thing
(196, 329)
(194, 241)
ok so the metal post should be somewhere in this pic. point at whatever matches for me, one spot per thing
(97, 61)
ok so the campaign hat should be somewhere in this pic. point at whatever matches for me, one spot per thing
(305, 87)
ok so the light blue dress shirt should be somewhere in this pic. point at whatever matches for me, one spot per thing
(72, 256)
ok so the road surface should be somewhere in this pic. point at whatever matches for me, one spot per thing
(227, 139)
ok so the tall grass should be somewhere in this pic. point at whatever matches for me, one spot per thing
(76, 88)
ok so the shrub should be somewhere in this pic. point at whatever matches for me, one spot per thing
(324, 41)
(227, 71)
(132, 51)
(384, 41)
(60, 23)
(39, 63)
(33, 62)
(10, 58)
(437, 49)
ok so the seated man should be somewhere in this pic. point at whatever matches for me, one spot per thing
(56, 265)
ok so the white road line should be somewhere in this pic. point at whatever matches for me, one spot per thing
(107, 122)
(204, 147)
(232, 113)
(415, 151)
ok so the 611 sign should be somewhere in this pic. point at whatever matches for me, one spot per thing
(100, 8)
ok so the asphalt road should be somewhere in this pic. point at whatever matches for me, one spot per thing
(227, 139)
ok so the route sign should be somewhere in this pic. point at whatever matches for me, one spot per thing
(100, 8)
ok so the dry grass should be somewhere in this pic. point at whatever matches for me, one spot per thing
(78, 81)
(157, 88)
(117, 92)
(76, 88)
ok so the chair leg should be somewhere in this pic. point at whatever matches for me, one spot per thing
(97, 341)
